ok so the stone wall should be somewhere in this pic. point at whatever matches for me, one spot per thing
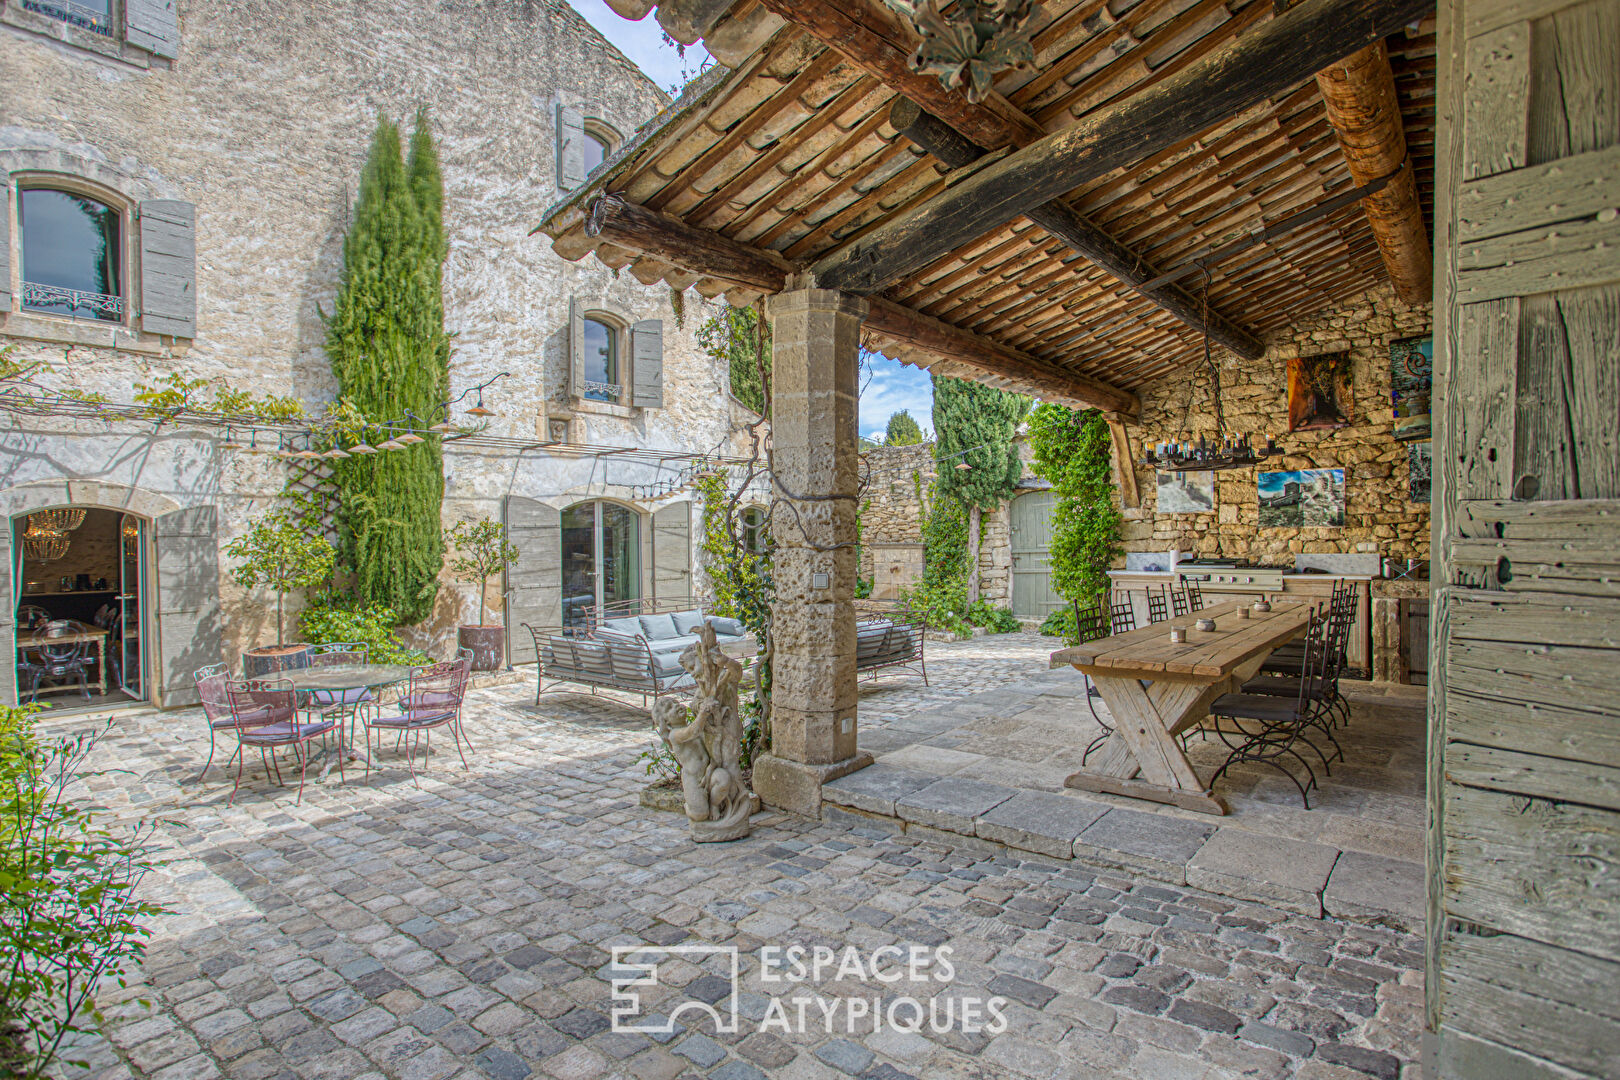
(263, 122)
(1255, 396)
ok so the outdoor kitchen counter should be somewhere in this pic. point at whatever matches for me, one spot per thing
(1309, 587)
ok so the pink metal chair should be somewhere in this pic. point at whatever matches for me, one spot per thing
(216, 706)
(266, 716)
(433, 700)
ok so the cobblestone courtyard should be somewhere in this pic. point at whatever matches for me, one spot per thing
(464, 929)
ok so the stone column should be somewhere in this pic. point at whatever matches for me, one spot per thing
(815, 336)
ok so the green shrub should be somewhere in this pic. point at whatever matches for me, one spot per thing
(1060, 623)
(996, 620)
(331, 618)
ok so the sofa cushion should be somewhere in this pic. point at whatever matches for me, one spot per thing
(667, 664)
(658, 627)
(626, 628)
(687, 622)
(729, 627)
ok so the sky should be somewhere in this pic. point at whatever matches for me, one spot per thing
(892, 385)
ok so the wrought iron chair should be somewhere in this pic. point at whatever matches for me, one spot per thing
(433, 700)
(216, 706)
(1091, 624)
(1158, 603)
(1276, 724)
(56, 658)
(1121, 615)
(1179, 603)
(266, 715)
(342, 703)
(1195, 595)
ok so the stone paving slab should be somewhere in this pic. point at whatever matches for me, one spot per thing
(876, 787)
(1376, 888)
(1252, 866)
(1039, 822)
(952, 804)
(1130, 839)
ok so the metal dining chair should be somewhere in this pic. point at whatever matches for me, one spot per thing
(1195, 595)
(433, 700)
(1158, 604)
(1180, 604)
(216, 705)
(266, 716)
(1121, 613)
(343, 703)
(1091, 624)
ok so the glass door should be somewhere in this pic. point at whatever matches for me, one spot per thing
(131, 579)
(601, 559)
(578, 565)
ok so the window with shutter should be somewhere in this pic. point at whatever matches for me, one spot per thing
(72, 254)
(534, 581)
(672, 551)
(189, 628)
(647, 364)
(153, 25)
(168, 268)
(570, 148)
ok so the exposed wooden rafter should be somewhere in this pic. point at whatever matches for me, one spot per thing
(1359, 94)
(642, 233)
(1268, 60)
(1080, 233)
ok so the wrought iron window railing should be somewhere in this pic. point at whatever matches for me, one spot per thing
(602, 391)
(51, 298)
(81, 15)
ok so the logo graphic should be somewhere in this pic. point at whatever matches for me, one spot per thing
(638, 965)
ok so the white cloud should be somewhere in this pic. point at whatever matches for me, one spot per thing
(893, 387)
(643, 42)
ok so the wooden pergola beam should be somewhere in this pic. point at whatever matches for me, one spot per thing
(645, 233)
(1268, 60)
(1079, 232)
(874, 39)
(1359, 94)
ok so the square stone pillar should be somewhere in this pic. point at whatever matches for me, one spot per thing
(815, 357)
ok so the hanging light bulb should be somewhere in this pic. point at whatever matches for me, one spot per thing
(478, 410)
(964, 466)
(409, 437)
(230, 442)
(335, 454)
(361, 448)
(391, 444)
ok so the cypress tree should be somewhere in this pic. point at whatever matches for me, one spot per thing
(902, 430)
(976, 424)
(390, 354)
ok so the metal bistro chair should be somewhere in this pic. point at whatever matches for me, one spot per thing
(1121, 615)
(1276, 724)
(216, 706)
(1180, 604)
(266, 712)
(433, 700)
(1091, 624)
(1195, 595)
(341, 703)
(1158, 604)
(57, 659)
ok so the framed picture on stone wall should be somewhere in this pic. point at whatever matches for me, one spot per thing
(1319, 392)
(1302, 498)
(1411, 381)
(1186, 492)
(1419, 464)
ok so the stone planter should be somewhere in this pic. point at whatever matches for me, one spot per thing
(488, 645)
(265, 661)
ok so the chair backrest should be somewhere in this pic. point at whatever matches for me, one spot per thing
(1158, 606)
(1195, 595)
(211, 682)
(260, 702)
(1090, 623)
(335, 653)
(437, 688)
(1179, 603)
(1121, 615)
(57, 650)
(1313, 666)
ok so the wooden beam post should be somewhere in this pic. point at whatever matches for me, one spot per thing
(642, 232)
(1080, 233)
(1129, 497)
(1359, 94)
(1262, 63)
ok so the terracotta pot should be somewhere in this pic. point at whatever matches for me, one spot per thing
(488, 645)
(266, 660)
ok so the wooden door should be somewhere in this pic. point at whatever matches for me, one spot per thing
(1032, 594)
(1524, 700)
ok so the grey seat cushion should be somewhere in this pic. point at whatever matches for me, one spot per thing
(687, 622)
(627, 628)
(658, 627)
(724, 627)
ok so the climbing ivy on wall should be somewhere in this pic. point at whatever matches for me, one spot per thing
(732, 335)
(390, 353)
(1072, 452)
(741, 586)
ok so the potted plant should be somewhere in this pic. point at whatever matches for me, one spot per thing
(279, 553)
(482, 551)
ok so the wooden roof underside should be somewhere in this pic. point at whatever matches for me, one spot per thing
(792, 151)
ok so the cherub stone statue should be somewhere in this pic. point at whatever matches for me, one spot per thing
(708, 742)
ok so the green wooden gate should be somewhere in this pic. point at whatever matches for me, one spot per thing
(1032, 594)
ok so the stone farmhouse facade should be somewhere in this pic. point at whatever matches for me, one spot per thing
(217, 146)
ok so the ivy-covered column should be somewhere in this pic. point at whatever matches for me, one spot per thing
(814, 398)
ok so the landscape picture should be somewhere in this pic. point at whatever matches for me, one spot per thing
(1303, 498)
(1411, 384)
(1319, 392)
(1419, 463)
(1187, 492)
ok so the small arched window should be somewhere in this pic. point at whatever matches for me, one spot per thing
(753, 530)
(596, 150)
(72, 255)
(601, 360)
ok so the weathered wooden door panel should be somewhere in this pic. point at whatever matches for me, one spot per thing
(1033, 596)
(1524, 770)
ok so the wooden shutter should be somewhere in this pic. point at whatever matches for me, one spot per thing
(576, 348)
(534, 581)
(153, 25)
(647, 364)
(1524, 699)
(5, 246)
(188, 616)
(8, 618)
(672, 551)
(168, 267)
(570, 148)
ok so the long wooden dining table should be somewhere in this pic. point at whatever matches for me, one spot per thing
(1156, 688)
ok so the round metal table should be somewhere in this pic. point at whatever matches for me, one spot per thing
(340, 678)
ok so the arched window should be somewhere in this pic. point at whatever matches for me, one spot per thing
(601, 557)
(754, 538)
(72, 254)
(596, 150)
(601, 360)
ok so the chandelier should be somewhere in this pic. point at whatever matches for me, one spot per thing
(44, 545)
(60, 521)
(1226, 450)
